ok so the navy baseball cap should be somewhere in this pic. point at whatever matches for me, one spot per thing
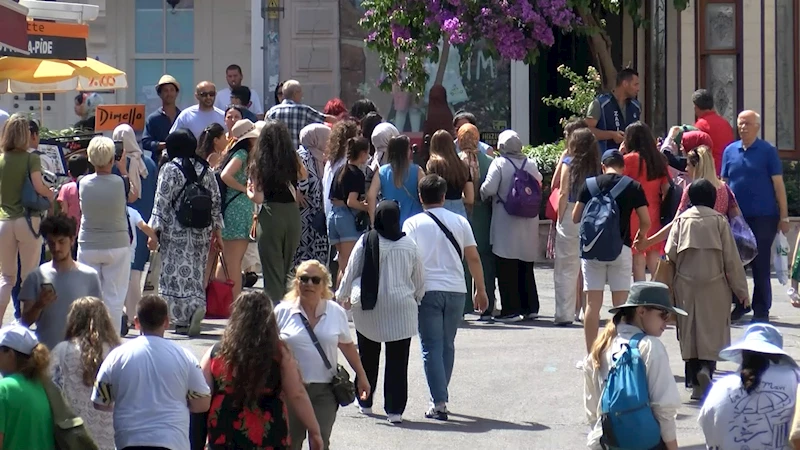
(608, 154)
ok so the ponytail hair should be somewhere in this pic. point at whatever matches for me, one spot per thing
(753, 366)
(35, 366)
(355, 147)
(606, 337)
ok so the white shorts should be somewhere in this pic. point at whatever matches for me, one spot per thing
(616, 274)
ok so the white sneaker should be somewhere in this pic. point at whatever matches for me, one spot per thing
(794, 296)
(395, 418)
(365, 411)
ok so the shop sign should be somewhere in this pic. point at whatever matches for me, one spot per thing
(109, 117)
(13, 25)
(52, 40)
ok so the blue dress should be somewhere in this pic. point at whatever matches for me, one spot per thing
(406, 195)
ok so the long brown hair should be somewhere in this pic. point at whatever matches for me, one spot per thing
(606, 337)
(639, 139)
(35, 366)
(89, 325)
(397, 156)
(250, 345)
(585, 152)
(445, 162)
(355, 147)
(341, 132)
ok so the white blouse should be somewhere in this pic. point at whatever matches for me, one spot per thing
(401, 287)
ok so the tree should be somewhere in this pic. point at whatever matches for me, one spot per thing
(406, 34)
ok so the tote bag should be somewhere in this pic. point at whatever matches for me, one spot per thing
(219, 293)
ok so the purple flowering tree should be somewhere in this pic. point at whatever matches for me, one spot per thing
(406, 34)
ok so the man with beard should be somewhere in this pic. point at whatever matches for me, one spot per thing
(197, 117)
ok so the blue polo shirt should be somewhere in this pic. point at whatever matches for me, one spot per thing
(156, 129)
(749, 175)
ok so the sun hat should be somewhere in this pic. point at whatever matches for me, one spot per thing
(649, 293)
(19, 338)
(168, 79)
(759, 338)
(243, 129)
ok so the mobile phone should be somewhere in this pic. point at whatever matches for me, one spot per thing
(118, 147)
(48, 286)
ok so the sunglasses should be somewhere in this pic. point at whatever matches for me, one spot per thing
(305, 279)
(664, 314)
(207, 94)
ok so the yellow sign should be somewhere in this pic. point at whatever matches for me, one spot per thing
(272, 9)
(109, 116)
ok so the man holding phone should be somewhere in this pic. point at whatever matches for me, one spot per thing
(48, 292)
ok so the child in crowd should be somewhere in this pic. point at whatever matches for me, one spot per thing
(68, 196)
(135, 221)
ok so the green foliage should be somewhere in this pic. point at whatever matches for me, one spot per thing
(633, 8)
(791, 178)
(582, 91)
(546, 157)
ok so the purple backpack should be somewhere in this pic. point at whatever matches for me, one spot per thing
(524, 196)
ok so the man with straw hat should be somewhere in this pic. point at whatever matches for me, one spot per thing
(158, 124)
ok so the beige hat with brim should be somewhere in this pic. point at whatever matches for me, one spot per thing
(168, 79)
(244, 129)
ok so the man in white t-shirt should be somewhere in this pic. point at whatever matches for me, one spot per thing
(444, 239)
(151, 384)
(197, 117)
(234, 77)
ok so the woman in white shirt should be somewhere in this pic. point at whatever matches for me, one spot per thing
(754, 407)
(645, 312)
(309, 301)
(74, 363)
(384, 283)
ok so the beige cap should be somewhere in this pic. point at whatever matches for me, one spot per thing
(168, 79)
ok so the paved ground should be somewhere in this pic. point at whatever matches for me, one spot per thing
(514, 386)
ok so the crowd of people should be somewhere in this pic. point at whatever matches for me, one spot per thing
(345, 217)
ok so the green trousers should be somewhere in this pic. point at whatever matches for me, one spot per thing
(325, 408)
(278, 239)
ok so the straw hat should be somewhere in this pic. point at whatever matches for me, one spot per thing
(244, 129)
(167, 79)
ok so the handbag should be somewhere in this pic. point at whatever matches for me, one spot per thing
(665, 272)
(31, 200)
(343, 389)
(69, 431)
(219, 293)
(551, 209)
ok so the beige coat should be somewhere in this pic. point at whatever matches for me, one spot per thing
(707, 269)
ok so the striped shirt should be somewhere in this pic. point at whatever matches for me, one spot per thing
(401, 287)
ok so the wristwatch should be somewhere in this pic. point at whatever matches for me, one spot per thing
(785, 219)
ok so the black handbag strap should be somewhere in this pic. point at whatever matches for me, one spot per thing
(316, 341)
(447, 233)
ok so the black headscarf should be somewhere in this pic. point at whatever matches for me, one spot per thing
(702, 193)
(181, 144)
(387, 225)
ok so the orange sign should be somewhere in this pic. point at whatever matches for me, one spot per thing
(68, 30)
(109, 116)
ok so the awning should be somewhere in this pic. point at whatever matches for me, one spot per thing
(49, 75)
(13, 28)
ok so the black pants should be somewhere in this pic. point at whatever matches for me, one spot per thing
(395, 374)
(517, 286)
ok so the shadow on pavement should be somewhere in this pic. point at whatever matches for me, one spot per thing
(795, 326)
(469, 424)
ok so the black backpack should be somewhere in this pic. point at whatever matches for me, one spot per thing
(193, 203)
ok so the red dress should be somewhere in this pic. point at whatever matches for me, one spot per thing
(652, 191)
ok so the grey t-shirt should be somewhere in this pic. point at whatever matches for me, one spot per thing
(82, 281)
(104, 217)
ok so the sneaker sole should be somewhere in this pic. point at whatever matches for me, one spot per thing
(195, 326)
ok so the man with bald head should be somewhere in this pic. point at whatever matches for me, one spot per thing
(754, 172)
(197, 117)
(295, 114)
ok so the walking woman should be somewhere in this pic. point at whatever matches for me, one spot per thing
(384, 282)
(444, 161)
(184, 250)
(24, 364)
(397, 180)
(274, 175)
(646, 165)
(642, 317)
(211, 144)
(478, 163)
(336, 156)
(756, 404)
(707, 271)
(237, 208)
(347, 197)
(252, 376)
(515, 240)
(19, 228)
(583, 163)
(105, 236)
(74, 364)
(309, 307)
(314, 233)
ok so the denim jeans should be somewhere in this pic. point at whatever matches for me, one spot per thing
(439, 316)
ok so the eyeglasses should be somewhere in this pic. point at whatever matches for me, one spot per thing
(207, 94)
(305, 279)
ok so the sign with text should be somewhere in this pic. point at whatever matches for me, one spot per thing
(109, 116)
(51, 40)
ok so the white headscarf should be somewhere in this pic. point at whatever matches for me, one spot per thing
(314, 138)
(137, 170)
(381, 135)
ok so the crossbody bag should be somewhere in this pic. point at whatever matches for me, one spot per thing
(343, 389)
(447, 233)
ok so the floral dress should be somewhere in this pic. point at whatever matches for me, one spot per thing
(239, 212)
(234, 427)
(313, 245)
(184, 251)
(66, 369)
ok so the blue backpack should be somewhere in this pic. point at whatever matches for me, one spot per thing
(627, 419)
(600, 236)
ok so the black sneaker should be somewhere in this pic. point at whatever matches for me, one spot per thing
(124, 328)
(249, 279)
(739, 312)
(434, 413)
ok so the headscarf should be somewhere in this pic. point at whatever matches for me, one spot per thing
(702, 193)
(137, 170)
(380, 139)
(468, 138)
(693, 139)
(387, 225)
(439, 115)
(509, 144)
(314, 138)
(181, 144)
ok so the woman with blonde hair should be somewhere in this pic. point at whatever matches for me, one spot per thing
(307, 308)
(445, 162)
(19, 228)
(74, 364)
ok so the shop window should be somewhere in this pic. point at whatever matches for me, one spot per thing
(787, 63)
(720, 52)
(164, 44)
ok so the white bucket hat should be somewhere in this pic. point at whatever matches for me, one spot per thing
(759, 338)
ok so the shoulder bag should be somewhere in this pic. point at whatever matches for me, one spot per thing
(69, 431)
(343, 389)
(447, 233)
(219, 293)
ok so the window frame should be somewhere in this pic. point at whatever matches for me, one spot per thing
(792, 153)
